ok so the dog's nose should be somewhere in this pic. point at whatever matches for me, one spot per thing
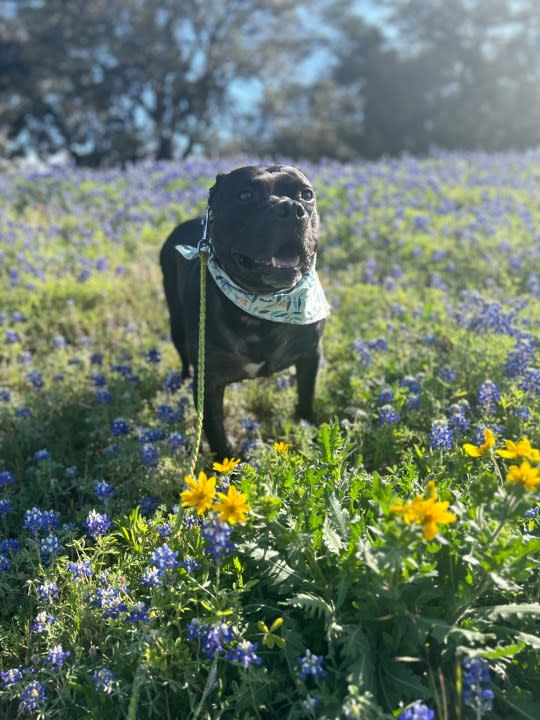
(288, 210)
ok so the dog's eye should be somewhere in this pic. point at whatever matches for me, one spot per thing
(245, 195)
(307, 194)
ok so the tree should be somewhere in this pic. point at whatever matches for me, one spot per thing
(115, 80)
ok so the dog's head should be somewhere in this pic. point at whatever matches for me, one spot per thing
(264, 226)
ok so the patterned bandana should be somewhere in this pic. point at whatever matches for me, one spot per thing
(303, 304)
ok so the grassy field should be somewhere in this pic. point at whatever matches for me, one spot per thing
(378, 568)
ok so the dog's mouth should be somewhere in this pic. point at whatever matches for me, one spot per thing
(285, 258)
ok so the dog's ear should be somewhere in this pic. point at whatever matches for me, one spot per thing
(213, 189)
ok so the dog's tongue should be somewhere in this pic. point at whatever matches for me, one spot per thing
(285, 261)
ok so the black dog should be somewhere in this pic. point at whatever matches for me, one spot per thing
(263, 231)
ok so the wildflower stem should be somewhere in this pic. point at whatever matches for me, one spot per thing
(208, 686)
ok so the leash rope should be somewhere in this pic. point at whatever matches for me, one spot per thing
(203, 259)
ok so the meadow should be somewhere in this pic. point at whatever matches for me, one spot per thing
(382, 563)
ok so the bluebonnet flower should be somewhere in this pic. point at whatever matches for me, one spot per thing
(519, 358)
(138, 613)
(283, 382)
(521, 412)
(36, 520)
(165, 530)
(56, 656)
(5, 564)
(176, 441)
(447, 374)
(164, 558)
(244, 653)
(5, 395)
(151, 435)
(59, 341)
(173, 382)
(99, 380)
(103, 490)
(152, 577)
(119, 427)
(441, 436)
(386, 396)
(189, 564)
(96, 359)
(153, 356)
(112, 449)
(12, 337)
(250, 425)
(42, 621)
(5, 506)
(80, 569)
(71, 471)
(388, 415)
(148, 504)
(48, 591)
(477, 691)
(488, 396)
(6, 478)
(417, 711)
(103, 396)
(97, 523)
(196, 629)
(23, 412)
(32, 696)
(10, 677)
(311, 665)
(111, 600)
(363, 352)
(531, 381)
(413, 384)
(149, 455)
(378, 345)
(310, 702)
(9, 545)
(457, 419)
(103, 680)
(49, 546)
(167, 414)
(413, 403)
(216, 636)
(532, 513)
(35, 378)
(58, 377)
(217, 535)
(41, 455)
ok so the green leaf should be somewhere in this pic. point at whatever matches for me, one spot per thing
(331, 538)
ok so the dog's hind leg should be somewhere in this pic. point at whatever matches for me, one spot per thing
(307, 367)
(213, 417)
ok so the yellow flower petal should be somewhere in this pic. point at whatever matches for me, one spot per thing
(201, 492)
(232, 507)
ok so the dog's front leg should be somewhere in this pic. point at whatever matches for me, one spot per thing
(307, 367)
(213, 417)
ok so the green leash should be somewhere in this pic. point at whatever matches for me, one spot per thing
(203, 259)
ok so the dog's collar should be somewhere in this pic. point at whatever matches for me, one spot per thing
(303, 304)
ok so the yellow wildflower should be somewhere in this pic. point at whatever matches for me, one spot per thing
(281, 447)
(232, 507)
(226, 466)
(522, 449)
(201, 492)
(479, 450)
(428, 512)
(525, 475)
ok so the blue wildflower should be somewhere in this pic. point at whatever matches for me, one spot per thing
(388, 415)
(216, 636)
(244, 653)
(56, 656)
(6, 478)
(153, 356)
(41, 455)
(103, 396)
(36, 520)
(5, 506)
(488, 396)
(173, 382)
(10, 677)
(103, 680)
(42, 621)
(97, 523)
(152, 577)
(103, 490)
(149, 455)
(5, 564)
(164, 558)
(311, 665)
(111, 600)
(441, 436)
(119, 427)
(138, 613)
(477, 691)
(417, 711)
(35, 378)
(48, 591)
(217, 535)
(49, 546)
(80, 569)
(32, 696)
